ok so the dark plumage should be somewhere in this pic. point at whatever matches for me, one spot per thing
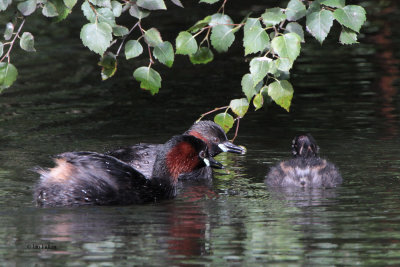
(142, 156)
(82, 178)
(215, 138)
(306, 169)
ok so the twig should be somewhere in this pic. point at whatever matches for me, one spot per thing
(329, 8)
(148, 46)
(266, 54)
(211, 111)
(7, 55)
(206, 38)
(231, 24)
(202, 30)
(222, 7)
(151, 58)
(123, 40)
(281, 24)
(276, 31)
(237, 129)
(93, 9)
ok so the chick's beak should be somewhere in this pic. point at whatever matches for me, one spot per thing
(229, 147)
(211, 162)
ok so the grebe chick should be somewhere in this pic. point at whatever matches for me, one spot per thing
(142, 156)
(89, 178)
(305, 169)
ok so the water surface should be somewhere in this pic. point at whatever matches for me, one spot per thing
(346, 97)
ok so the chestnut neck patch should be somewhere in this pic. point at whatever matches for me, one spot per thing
(182, 158)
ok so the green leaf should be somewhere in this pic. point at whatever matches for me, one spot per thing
(273, 69)
(109, 65)
(272, 35)
(49, 10)
(149, 79)
(88, 12)
(352, 17)
(4, 4)
(283, 64)
(248, 87)
(27, 42)
(151, 4)
(283, 73)
(258, 101)
(208, 1)
(200, 24)
(295, 10)
(222, 37)
(333, 3)
(239, 106)
(106, 15)
(133, 49)
(319, 24)
(70, 3)
(164, 52)
(153, 37)
(314, 6)
(287, 46)
(273, 16)
(101, 3)
(224, 120)
(62, 10)
(8, 75)
(282, 93)
(1, 48)
(296, 28)
(259, 67)
(185, 44)
(177, 2)
(119, 30)
(8, 32)
(348, 36)
(96, 36)
(138, 13)
(27, 7)
(218, 18)
(202, 56)
(116, 8)
(255, 38)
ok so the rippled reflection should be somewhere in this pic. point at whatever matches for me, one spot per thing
(347, 97)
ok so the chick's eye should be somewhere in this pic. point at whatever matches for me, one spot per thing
(215, 139)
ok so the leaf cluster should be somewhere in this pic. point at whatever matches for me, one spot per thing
(271, 40)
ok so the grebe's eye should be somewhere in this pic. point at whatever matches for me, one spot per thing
(215, 139)
(202, 154)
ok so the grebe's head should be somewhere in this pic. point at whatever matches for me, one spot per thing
(182, 154)
(215, 138)
(304, 146)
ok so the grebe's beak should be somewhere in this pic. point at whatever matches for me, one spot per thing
(230, 147)
(211, 162)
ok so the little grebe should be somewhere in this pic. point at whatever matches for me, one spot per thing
(306, 169)
(89, 178)
(142, 156)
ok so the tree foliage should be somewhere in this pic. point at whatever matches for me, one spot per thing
(272, 39)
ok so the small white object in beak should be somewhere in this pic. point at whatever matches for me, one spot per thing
(207, 162)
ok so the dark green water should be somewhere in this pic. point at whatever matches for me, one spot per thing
(347, 97)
